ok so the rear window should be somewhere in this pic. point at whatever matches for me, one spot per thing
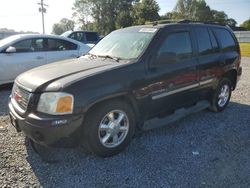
(225, 38)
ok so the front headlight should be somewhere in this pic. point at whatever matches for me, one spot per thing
(56, 103)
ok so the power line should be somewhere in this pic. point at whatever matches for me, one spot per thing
(42, 10)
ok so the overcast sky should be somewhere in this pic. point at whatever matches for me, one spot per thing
(23, 15)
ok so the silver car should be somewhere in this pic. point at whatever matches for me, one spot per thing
(20, 53)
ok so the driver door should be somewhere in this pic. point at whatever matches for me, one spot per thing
(29, 53)
(173, 81)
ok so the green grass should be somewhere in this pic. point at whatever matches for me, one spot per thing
(245, 49)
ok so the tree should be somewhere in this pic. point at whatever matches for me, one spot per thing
(106, 15)
(124, 19)
(64, 25)
(146, 10)
(198, 10)
(246, 24)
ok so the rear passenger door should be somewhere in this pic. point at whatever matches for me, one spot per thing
(228, 46)
(209, 58)
(173, 84)
(58, 49)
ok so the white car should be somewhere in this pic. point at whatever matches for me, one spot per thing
(19, 53)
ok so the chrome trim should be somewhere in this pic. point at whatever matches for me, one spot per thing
(166, 93)
(22, 109)
(206, 81)
(25, 88)
(175, 91)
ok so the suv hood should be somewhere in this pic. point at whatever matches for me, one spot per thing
(39, 78)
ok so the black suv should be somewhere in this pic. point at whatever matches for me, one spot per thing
(136, 78)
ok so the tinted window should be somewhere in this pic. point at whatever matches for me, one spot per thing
(91, 37)
(29, 45)
(60, 45)
(78, 36)
(204, 43)
(214, 42)
(178, 43)
(225, 38)
(23, 46)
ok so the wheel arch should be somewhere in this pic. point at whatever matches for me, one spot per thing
(232, 75)
(124, 97)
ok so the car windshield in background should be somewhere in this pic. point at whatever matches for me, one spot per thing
(66, 34)
(124, 44)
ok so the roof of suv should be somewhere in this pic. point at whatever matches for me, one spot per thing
(158, 26)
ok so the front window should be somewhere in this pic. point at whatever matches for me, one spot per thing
(125, 44)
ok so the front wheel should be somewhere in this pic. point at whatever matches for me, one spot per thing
(109, 128)
(222, 95)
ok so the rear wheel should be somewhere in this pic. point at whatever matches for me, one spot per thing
(109, 128)
(222, 95)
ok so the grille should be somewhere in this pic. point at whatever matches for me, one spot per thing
(20, 96)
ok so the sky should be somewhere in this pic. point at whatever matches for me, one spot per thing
(23, 15)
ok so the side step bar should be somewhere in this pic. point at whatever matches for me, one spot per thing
(178, 114)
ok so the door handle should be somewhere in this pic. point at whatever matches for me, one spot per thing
(39, 57)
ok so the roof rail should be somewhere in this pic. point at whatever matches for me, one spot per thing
(156, 22)
(207, 22)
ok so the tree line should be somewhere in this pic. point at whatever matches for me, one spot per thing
(105, 16)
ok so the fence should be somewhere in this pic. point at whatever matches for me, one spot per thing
(243, 36)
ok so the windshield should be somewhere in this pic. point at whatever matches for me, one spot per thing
(124, 44)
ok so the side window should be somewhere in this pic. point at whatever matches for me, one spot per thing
(214, 42)
(91, 36)
(60, 45)
(203, 39)
(23, 46)
(225, 38)
(78, 36)
(37, 45)
(177, 43)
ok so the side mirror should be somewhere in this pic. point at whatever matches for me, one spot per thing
(10, 49)
(167, 57)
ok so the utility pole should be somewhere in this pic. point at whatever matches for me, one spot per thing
(42, 10)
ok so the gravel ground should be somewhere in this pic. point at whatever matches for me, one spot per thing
(202, 150)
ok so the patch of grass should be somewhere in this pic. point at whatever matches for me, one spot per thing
(245, 49)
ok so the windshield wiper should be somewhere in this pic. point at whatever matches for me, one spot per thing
(117, 59)
(91, 55)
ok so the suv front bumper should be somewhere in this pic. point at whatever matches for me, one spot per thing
(55, 131)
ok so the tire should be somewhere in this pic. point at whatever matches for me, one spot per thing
(108, 128)
(221, 95)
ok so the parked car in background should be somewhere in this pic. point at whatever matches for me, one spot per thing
(19, 53)
(87, 37)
